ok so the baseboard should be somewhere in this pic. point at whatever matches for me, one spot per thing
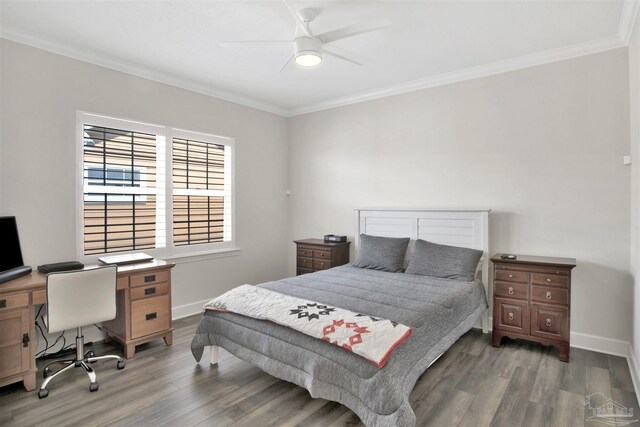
(600, 344)
(190, 309)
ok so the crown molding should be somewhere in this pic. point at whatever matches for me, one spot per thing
(628, 18)
(136, 70)
(518, 63)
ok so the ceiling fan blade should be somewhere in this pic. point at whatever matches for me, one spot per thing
(353, 30)
(337, 55)
(287, 63)
(254, 41)
(301, 24)
(344, 54)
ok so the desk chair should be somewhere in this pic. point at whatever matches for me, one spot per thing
(74, 299)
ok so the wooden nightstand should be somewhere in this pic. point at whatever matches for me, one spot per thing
(532, 300)
(316, 254)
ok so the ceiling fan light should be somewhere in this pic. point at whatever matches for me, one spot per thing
(308, 59)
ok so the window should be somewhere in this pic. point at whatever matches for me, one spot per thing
(153, 188)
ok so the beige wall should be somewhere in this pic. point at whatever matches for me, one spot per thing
(41, 93)
(634, 136)
(542, 147)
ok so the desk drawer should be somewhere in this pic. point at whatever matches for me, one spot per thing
(151, 278)
(149, 291)
(150, 315)
(10, 301)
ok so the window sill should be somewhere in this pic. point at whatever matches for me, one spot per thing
(202, 256)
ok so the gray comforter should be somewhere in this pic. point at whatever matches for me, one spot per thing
(438, 310)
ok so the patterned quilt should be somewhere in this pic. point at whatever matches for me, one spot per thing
(371, 337)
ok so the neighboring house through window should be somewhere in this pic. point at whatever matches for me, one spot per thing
(154, 188)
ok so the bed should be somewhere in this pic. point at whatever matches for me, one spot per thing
(438, 310)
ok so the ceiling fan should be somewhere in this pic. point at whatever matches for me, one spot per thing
(308, 48)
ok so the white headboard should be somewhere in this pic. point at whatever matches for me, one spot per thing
(460, 227)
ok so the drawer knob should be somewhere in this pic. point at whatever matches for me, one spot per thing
(548, 322)
(151, 316)
(150, 291)
(511, 276)
(547, 295)
(510, 290)
(151, 278)
(510, 315)
(3, 303)
(548, 279)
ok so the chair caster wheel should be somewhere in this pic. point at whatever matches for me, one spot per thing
(120, 364)
(93, 387)
(42, 393)
(46, 372)
(90, 353)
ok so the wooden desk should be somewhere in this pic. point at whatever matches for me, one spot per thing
(143, 314)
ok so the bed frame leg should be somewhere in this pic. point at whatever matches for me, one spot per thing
(485, 322)
(214, 354)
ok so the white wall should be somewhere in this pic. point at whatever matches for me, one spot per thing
(542, 147)
(41, 93)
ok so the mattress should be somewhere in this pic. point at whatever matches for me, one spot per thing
(438, 310)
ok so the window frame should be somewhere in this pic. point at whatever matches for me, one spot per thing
(164, 140)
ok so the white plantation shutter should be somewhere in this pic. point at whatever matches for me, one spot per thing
(201, 192)
(153, 188)
(122, 192)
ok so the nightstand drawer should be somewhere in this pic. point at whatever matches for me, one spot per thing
(149, 315)
(549, 279)
(323, 254)
(549, 322)
(512, 315)
(305, 262)
(511, 290)
(320, 264)
(549, 295)
(512, 276)
(301, 271)
(305, 252)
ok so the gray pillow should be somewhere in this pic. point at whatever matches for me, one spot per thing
(382, 253)
(447, 262)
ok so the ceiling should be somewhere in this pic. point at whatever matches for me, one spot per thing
(429, 43)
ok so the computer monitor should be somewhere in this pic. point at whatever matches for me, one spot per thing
(10, 242)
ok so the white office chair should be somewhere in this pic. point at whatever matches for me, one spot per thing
(74, 299)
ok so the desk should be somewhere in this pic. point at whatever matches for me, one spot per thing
(143, 314)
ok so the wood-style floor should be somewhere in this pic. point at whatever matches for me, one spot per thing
(473, 384)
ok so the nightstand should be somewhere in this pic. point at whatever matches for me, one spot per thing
(316, 254)
(532, 300)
